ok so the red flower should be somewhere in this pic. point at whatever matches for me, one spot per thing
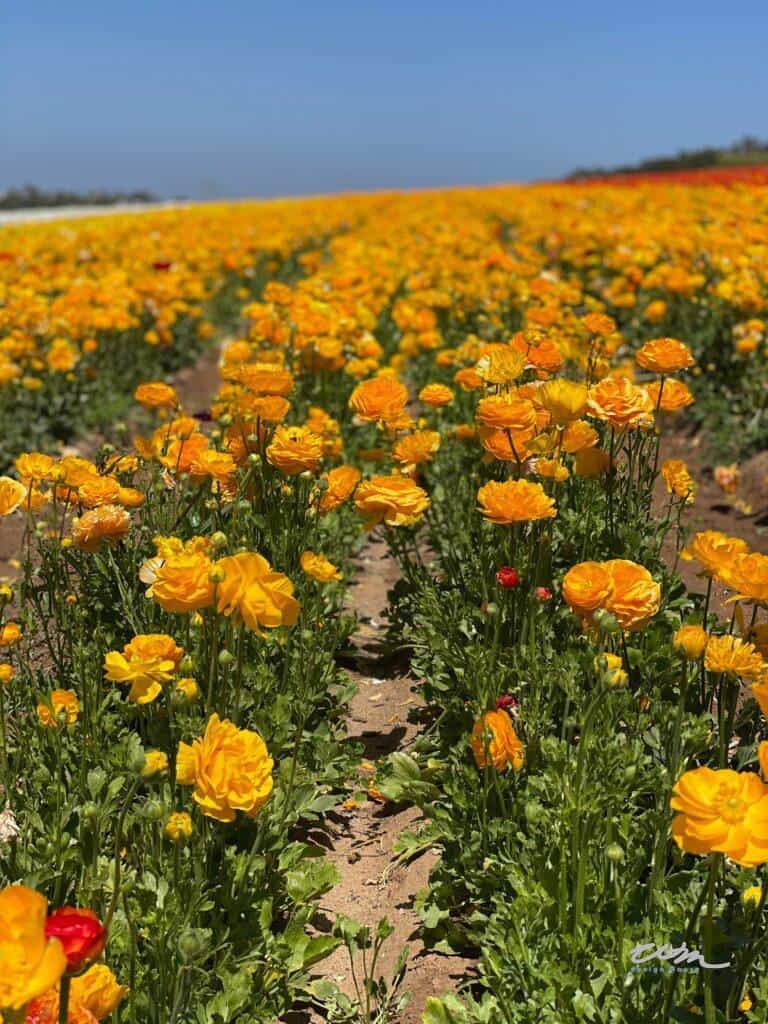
(161, 265)
(543, 593)
(506, 702)
(80, 933)
(508, 578)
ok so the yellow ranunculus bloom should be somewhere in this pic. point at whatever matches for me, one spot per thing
(30, 963)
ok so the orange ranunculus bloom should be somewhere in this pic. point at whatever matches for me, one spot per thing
(734, 657)
(294, 450)
(261, 378)
(564, 400)
(106, 524)
(31, 963)
(722, 811)
(12, 494)
(182, 452)
(664, 355)
(678, 480)
(587, 587)
(380, 398)
(181, 581)
(60, 702)
(468, 379)
(507, 412)
(230, 769)
(436, 395)
(506, 445)
(412, 450)
(34, 467)
(670, 395)
(515, 501)
(394, 500)
(714, 551)
(636, 595)
(495, 742)
(728, 478)
(97, 491)
(341, 482)
(156, 395)
(620, 403)
(250, 590)
(319, 568)
(747, 574)
(578, 436)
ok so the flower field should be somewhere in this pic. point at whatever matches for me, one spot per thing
(536, 416)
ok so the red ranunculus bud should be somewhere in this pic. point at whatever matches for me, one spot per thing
(161, 265)
(506, 702)
(543, 593)
(507, 577)
(80, 933)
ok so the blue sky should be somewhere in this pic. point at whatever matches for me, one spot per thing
(262, 98)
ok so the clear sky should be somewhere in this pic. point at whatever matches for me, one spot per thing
(263, 98)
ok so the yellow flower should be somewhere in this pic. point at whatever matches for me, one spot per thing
(61, 703)
(636, 595)
(188, 687)
(690, 641)
(611, 668)
(670, 395)
(229, 768)
(587, 587)
(564, 400)
(10, 634)
(678, 480)
(254, 593)
(294, 450)
(494, 741)
(148, 662)
(515, 501)
(722, 811)
(98, 991)
(179, 827)
(500, 365)
(180, 582)
(12, 494)
(395, 500)
(31, 964)
(7, 673)
(734, 657)
(155, 763)
(319, 568)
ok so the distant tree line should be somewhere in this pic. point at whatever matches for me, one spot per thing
(31, 197)
(747, 150)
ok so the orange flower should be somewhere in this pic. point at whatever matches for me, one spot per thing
(578, 436)
(591, 463)
(747, 574)
(620, 403)
(436, 395)
(394, 500)
(722, 811)
(691, 641)
(495, 742)
(636, 596)
(12, 494)
(507, 412)
(714, 551)
(728, 478)
(105, 524)
(380, 398)
(515, 501)
(416, 448)
(664, 355)
(294, 450)
(60, 702)
(587, 587)
(251, 591)
(156, 395)
(341, 482)
(678, 480)
(670, 395)
(319, 568)
(180, 582)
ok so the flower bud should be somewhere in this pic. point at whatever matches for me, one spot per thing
(218, 540)
(225, 658)
(507, 578)
(615, 853)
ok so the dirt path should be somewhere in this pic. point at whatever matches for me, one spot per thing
(371, 886)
